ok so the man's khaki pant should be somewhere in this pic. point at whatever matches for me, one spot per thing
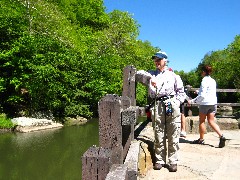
(167, 130)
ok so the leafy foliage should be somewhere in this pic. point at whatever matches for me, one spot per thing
(5, 122)
(226, 66)
(63, 56)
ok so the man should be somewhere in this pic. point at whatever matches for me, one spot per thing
(184, 113)
(169, 92)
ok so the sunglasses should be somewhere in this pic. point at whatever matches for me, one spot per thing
(157, 59)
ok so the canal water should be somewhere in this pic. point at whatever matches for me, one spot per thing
(46, 155)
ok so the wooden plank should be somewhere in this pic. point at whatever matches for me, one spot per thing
(228, 90)
(228, 104)
(218, 90)
(218, 104)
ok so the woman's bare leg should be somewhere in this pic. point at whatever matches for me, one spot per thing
(214, 126)
(202, 127)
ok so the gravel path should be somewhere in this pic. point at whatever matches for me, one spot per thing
(204, 161)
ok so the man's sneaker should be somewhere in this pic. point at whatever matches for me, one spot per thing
(222, 142)
(198, 141)
(172, 168)
(157, 166)
(183, 134)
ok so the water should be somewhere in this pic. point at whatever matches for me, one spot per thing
(46, 155)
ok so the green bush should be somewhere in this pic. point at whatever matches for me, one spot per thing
(5, 122)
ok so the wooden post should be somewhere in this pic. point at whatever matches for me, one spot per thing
(96, 163)
(125, 102)
(110, 127)
(129, 84)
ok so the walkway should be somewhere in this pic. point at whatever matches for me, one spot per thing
(201, 161)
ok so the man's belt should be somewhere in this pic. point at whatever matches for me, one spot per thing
(161, 98)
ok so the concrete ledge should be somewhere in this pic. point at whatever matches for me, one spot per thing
(192, 124)
(145, 160)
(227, 123)
(145, 136)
(117, 172)
(132, 160)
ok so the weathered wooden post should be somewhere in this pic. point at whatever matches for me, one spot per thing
(129, 119)
(129, 90)
(125, 102)
(117, 117)
(96, 163)
(126, 127)
(129, 84)
(110, 127)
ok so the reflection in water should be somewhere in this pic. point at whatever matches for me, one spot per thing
(49, 154)
(38, 139)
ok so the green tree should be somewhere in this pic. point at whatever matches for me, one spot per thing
(226, 66)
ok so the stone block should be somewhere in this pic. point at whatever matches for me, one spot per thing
(227, 123)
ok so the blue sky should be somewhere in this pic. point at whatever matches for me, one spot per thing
(185, 29)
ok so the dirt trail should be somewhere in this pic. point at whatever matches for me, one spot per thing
(204, 161)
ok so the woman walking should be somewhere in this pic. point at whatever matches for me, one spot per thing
(207, 100)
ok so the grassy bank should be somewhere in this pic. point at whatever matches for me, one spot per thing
(5, 123)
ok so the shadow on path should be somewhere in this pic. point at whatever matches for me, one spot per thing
(183, 140)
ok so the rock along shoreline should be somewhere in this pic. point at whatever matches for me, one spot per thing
(25, 124)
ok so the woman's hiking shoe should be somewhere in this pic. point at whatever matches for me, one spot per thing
(198, 141)
(222, 142)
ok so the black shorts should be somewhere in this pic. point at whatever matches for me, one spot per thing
(182, 108)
